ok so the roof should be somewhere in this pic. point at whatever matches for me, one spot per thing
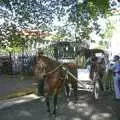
(97, 51)
(88, 52)
(34, 33)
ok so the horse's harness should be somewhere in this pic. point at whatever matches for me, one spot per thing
(67, 72)
(55, 69)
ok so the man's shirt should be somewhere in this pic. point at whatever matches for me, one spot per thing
(116, 67)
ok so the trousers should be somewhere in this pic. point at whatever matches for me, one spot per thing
(116, 82)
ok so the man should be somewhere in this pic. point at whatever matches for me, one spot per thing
(116, 76)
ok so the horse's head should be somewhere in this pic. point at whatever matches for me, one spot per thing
(40, 69)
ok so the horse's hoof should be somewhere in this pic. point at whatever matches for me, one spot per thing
(68, 100)
(48, 111)
(49, 114)
(54, 114)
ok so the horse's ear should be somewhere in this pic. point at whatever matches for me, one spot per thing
(40, 51)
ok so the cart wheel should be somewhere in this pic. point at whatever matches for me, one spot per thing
(97, 90)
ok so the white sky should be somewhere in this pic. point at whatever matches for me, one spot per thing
(1, 21)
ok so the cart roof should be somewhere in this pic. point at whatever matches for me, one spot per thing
(87, 52)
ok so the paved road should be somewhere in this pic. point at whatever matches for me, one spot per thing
(84, 109)
(10, 84)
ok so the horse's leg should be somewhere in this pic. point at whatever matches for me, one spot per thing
(74, 86)
(55, 104)
(100, 80)
(67, 91)
(101, 84)
(48, 104)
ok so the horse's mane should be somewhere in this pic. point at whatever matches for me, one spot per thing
(50, 63)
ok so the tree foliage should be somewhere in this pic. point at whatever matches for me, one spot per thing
(10, 38)
(44, 11)
(88, 12)
(107, 34)
(39, 14)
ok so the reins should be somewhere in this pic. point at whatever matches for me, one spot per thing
(68, 72)
(55, 69)
(74, 77)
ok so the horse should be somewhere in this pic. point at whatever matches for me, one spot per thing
(53, 78)
(97, 67)
(71, 81)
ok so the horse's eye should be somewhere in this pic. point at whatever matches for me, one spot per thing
(43, 69)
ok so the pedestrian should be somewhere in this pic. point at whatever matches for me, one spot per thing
(116, 76)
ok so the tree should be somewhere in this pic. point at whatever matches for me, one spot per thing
(106, 35)
(88, 12)
(39, 14)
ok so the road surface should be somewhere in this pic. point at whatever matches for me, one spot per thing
(84, 109)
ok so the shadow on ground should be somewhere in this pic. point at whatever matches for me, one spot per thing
(84, 109)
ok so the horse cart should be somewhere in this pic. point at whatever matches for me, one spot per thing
(82, 72)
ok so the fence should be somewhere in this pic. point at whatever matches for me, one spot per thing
(22, 63)
(61, 51)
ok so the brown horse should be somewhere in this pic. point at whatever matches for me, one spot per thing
(50, 73)
(71, 81)
(97, 67)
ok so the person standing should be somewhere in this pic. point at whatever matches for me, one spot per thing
(116, 76)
